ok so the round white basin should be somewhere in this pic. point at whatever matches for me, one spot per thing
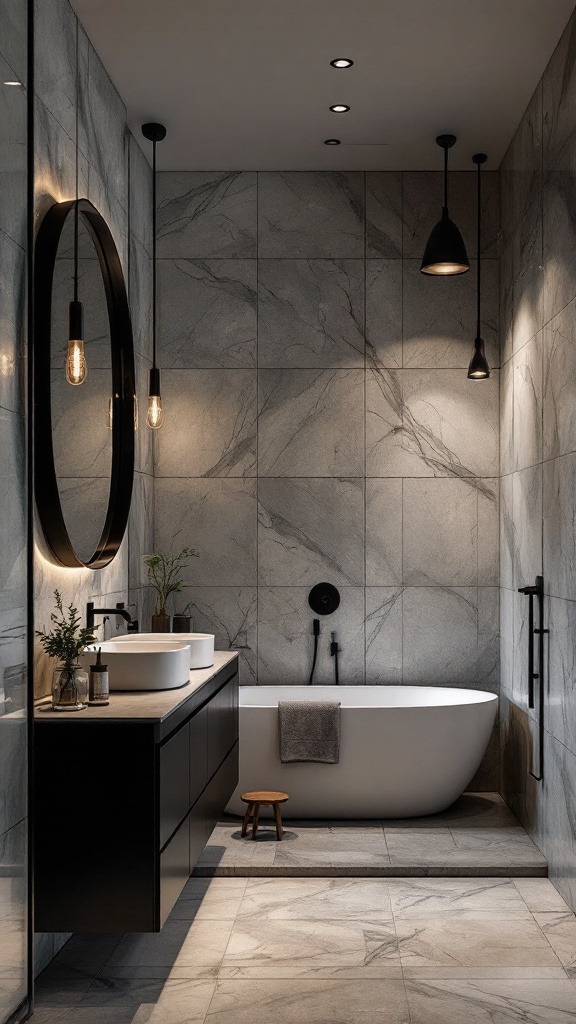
(158, 664)
(201, 644)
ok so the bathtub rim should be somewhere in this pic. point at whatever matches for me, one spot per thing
(479, 697)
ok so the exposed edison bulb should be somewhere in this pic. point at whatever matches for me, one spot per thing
(76, 370)
(154, 416)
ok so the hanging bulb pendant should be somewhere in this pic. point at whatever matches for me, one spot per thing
(76, 369)
(478, 368)
(154, 416)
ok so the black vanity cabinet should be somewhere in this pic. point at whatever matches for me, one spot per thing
(126, 798)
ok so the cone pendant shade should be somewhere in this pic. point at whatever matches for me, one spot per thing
(478, 368)
(445, 253)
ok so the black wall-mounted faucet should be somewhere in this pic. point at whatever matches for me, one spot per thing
(91, 612)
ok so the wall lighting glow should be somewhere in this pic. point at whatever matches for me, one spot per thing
(339, 108)
(341, 62)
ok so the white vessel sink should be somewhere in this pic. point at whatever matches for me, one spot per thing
(201, 644)
(143, 664)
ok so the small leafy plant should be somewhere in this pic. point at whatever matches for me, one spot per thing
(165, 574)
(67, 639)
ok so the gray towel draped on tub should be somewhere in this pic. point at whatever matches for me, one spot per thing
(309, 730)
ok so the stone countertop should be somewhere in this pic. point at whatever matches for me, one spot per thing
(141, 705)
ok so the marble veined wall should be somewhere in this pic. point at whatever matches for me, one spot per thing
(319, 424)
(538, 455)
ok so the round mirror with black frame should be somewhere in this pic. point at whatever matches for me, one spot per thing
(84, 398)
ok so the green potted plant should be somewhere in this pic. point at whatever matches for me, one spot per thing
(165, 576)
(66, 641)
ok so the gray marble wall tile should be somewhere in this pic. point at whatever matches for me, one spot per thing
(144, 437)
(203, 214)
(507, 453)
(528, 404)
(557, 817)
(140, 297)
(229, 613)
(140, 526)
(431, 423)
(311, 214)
(311, 313)
(488, 673)
(558, 103)
(559, 370)
(384, 312)
(508, 556)
(102, 132)
(383, 533)
(559, 487)
(285, 640)
(113, 209)
(140, 192)
(384, 214)
(12, 304)
(488, 494)
(14, 36)
(527, 513)
(81, 434)
(216, 516)
(559, 232)
(207, 313)
(54, 163)
(521, 169)
(210, 424)
(13, 938)
(440, 635)
(506, 640)
(311, 423)
(13, 119)
(310, 530)
(13, 759)
(506, 262)
(528, 269)
(12, 503)
(560, 618)
(422, 209)
(440, 533)
(383, 635)
(439, 317)
(55, 61)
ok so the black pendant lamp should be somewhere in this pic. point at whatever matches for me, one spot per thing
(479, 369)
(155, 133)
(445, 252)
(76, 369)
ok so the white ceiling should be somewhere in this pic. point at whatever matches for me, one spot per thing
(246, 84)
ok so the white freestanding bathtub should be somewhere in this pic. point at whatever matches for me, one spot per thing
(405, 751)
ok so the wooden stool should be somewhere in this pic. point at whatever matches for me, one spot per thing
(254, 800)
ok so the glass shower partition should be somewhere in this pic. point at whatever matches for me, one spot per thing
(15, 704)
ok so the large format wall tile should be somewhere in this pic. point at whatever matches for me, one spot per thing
(558, 103)
(528, 297)
(560, 618)
(311, 423)
(559, 382)
(384, 214)
(218, 517)
(102, 134)
(12, 304)
(55, 61)
(559, 488)
(440, 635)
(521, 169)
(211, 424)
(311, 313)
(207, 313)
(440, 317)
(229, 613)
(527, 391)
(383, 635)
(13, 937)
(559, 232)
(383, 532)
(310, 530)
(440, 533)
(140, 194)
(527, 515)
(285, 640)
(12, 504)
(422, 205)
(384, 312)
(203, 214)
(310, 213)
(13, 221)
(430, 423)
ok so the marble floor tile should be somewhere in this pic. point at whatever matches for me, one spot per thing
(84, 955)
(316, 899)
(226, 848)
(466, 941)
(334, 848)
(540, 895)
(216, 899)
(484, 973)
(309, 1002)
(52, 989)
(492, 847)
(560, 930)
(197, 950)
(418, 898)
(84, 1015)
(308, 949)
(492, 1002)
(156, 1001)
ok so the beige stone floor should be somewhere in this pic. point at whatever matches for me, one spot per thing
(338, 950)
(478, 835)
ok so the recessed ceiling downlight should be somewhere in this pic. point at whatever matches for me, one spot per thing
(12, 83)
(331, 142)
(341, 62)
(339, 108)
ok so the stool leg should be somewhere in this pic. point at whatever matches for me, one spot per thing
(256, 812)
(278, 819)
(246, 820)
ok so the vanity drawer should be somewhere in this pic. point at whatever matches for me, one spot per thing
(174, 870)
(198, 728)
(222, 724)
(174, 783)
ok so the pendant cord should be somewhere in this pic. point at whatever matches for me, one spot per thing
(77, 176)
(154, 144)
(446, 178)
(478, 260)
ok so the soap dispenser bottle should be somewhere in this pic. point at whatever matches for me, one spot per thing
(99, 692)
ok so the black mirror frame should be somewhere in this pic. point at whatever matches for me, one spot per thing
(123, 388)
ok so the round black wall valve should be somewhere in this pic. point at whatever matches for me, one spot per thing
(323, 599)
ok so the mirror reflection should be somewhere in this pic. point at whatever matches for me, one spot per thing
(81, 414)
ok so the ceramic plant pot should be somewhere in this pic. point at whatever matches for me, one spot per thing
(160, 624)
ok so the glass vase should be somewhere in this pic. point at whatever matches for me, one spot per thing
(69, 688)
